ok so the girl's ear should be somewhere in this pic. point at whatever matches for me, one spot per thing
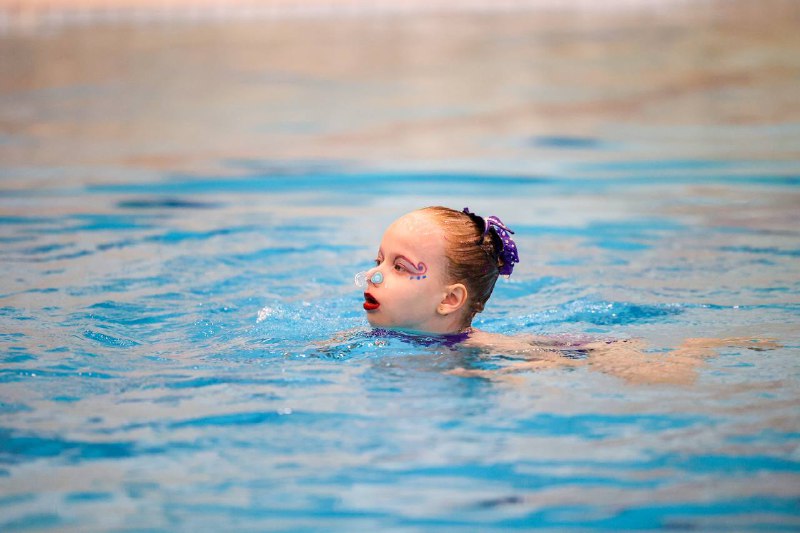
(454, 299)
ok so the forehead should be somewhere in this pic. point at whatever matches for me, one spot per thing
(415, 233)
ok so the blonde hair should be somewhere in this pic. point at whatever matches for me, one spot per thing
(471, 256)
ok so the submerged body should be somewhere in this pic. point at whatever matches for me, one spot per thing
(625, 358)
(511, 356)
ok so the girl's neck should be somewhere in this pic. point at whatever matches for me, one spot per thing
(426, 338)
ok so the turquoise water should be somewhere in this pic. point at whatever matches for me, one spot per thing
(183, 347)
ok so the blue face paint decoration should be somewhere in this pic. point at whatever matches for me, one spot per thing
(361, 279)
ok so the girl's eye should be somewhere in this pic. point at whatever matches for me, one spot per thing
(398, 267)
(377, 262)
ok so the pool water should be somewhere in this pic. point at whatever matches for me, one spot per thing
(183, 347)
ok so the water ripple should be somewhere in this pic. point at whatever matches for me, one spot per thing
(602, 313)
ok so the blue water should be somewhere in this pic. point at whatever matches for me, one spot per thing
(182, 347)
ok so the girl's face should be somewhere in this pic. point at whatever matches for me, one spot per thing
(413, 263)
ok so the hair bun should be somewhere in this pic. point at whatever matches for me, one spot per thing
(503, 246)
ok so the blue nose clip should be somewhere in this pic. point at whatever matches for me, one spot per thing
(361, 279)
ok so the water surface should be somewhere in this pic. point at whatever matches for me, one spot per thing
(182, 210)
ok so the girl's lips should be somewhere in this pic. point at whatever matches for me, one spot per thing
(370, 303)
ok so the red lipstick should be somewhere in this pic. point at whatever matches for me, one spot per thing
(370, 303)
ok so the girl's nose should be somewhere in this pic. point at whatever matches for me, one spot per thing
(362, 279)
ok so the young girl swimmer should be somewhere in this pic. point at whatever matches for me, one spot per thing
(437, 267)
(435, 270)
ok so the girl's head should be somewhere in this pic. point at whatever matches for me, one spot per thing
(439, 267)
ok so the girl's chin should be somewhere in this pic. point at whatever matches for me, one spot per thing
(377, 320)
